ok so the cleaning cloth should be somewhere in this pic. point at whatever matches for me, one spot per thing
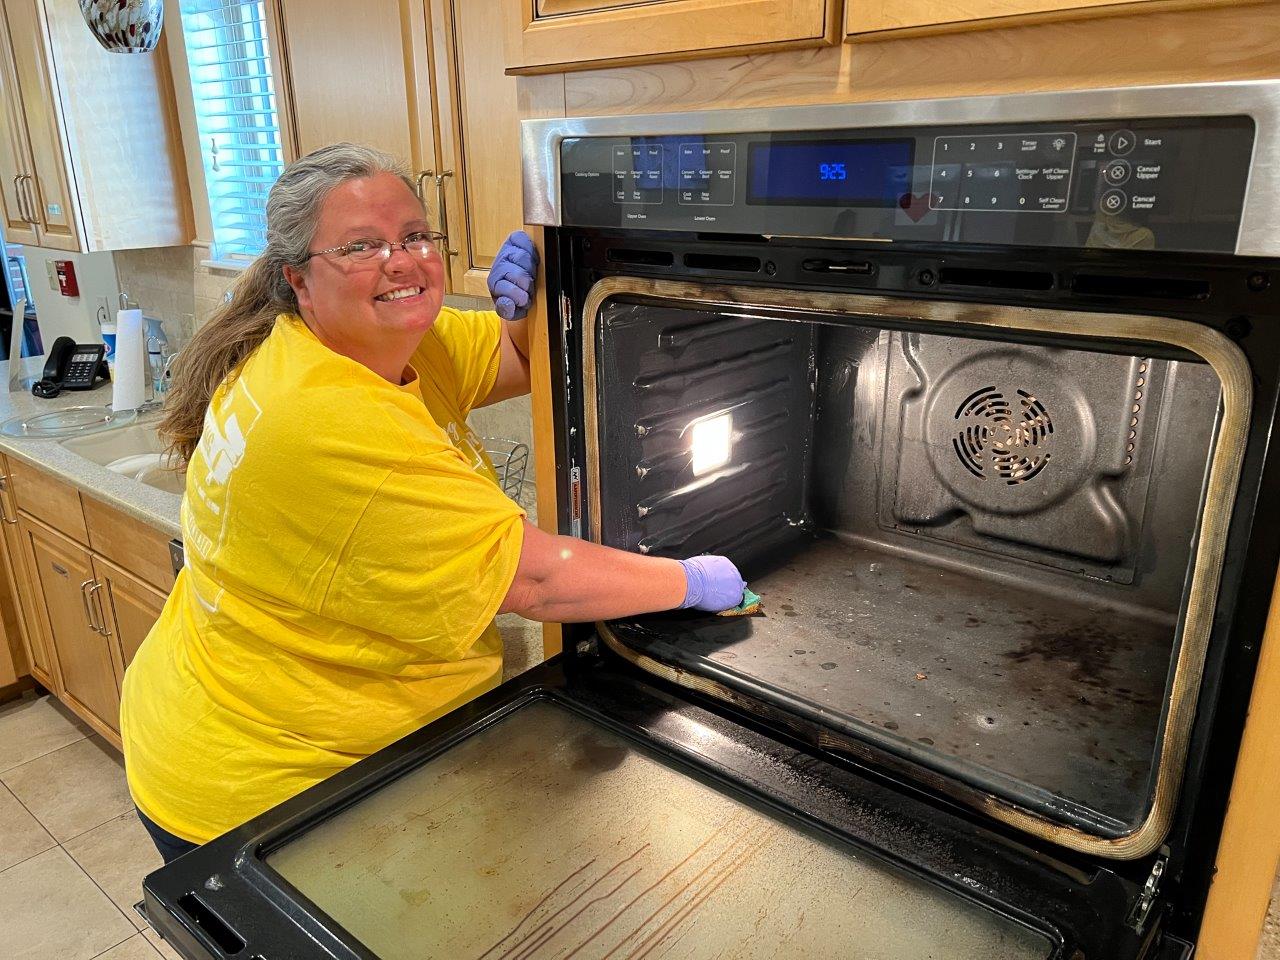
(750, 604)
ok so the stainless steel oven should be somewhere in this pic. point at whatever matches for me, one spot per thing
(978, 392)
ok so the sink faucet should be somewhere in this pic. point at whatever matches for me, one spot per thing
(157, 397)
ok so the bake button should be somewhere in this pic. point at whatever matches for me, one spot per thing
(1121, 142)
(1116, 172)
(1113, 201)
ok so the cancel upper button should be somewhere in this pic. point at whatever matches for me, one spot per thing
(1147, 171)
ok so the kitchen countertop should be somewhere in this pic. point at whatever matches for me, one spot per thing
(157, 508)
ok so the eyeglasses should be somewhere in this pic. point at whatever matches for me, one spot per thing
(368, 249)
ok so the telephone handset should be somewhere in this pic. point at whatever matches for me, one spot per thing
(72, 366)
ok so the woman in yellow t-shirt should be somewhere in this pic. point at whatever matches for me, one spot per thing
(347, 547)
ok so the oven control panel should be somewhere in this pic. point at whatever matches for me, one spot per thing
(1140, 183)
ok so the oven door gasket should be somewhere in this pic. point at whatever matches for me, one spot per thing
(1224, 357)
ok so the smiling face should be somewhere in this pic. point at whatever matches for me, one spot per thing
(374, 312)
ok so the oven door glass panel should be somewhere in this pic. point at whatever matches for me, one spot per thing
(547, 834)
(974, 553)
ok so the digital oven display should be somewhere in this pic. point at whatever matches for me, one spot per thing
(839, 173)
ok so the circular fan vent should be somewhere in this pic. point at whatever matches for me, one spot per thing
(1002, 438)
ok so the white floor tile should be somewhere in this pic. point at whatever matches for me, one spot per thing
(72, 790)
(32, 728)
(49, 910)
(21, 835)
(117, 855)
(136, 947)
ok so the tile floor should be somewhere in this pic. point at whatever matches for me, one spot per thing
(73, 854)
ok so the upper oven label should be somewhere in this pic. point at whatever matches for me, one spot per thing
(1016, 172)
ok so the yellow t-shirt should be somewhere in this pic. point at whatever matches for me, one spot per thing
(347, 549)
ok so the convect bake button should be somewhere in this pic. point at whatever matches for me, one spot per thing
(1113, 201)
(1121, 142)
(1116, 172)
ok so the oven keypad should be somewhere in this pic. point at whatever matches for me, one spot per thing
(637, 173)
(708, 172)
(1027, 172)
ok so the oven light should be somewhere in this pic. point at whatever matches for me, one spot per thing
(711, 443)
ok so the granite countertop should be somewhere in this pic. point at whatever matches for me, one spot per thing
(157, 508)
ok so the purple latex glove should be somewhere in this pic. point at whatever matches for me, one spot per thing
(714, 584)
(512, 274)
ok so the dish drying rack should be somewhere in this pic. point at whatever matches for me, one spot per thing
(510, 459)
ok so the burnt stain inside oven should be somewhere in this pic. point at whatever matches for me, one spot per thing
(974, 548)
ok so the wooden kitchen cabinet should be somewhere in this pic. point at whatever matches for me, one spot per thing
(556, 35)
(86, 667)
(423, 80)
(93, 158)
(127, 607)
(871, 17)
(22, 589)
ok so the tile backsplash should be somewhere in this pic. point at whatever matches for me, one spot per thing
(175, 285)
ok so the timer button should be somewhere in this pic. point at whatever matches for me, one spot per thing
(1113, 201)
(1121, 142)
(1116, 172)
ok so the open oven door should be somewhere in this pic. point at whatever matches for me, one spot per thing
(579, 811)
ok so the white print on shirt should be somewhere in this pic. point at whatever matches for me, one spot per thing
(227, 426)
(472, 447)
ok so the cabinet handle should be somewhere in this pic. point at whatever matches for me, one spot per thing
(19, 198)
(98, 605)
(4, 495)
(442, 205)
(422, 191)
(31, 199)
(84, 601)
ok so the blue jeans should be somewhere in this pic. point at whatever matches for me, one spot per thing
(170, 847)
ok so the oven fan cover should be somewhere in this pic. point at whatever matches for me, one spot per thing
(1039, 448)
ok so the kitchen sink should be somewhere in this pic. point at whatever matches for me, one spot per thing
(135, 452)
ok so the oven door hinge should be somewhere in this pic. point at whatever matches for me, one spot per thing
(1147, 899)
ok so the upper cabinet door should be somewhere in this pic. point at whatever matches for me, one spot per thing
(557, 35)
(369, 85)
(15, 152)
(477, 188)
(929, 16)
(50, 191)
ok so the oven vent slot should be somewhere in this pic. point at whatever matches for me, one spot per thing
(640, 258)
(1153, 288)
(721, 261)
(1006, 279)
(853, 268)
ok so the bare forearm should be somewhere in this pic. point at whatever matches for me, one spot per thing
(567, 580)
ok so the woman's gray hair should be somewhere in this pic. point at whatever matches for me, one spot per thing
(261, 293)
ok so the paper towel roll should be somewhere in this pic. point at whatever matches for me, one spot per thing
(128, 383)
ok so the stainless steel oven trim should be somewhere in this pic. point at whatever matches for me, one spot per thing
(1259, 99)
(1223, 356)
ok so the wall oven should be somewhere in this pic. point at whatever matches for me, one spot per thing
(978, 393)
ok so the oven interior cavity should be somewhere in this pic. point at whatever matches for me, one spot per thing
(972, 551)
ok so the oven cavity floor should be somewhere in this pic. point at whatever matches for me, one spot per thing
(1017, 687)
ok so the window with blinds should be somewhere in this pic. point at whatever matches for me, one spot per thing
(236, 118)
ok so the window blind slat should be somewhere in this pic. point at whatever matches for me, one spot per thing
(233, 90)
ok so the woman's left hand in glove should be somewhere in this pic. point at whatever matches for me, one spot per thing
(512, 276)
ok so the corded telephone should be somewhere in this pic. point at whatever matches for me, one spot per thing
(72, 366)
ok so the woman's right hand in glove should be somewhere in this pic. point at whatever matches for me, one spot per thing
(714, 584)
